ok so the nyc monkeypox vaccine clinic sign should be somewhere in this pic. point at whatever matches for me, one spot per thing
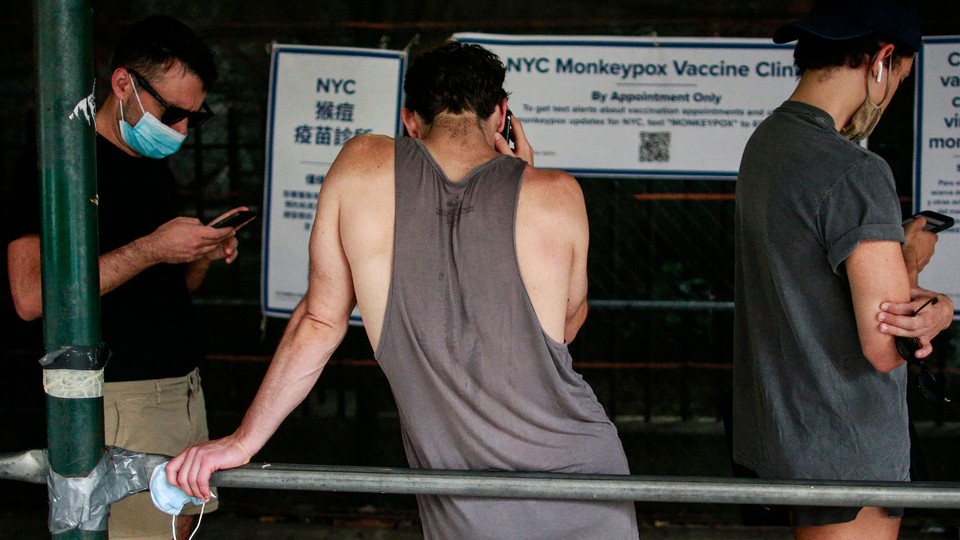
(937, 157)
(654, 107)
(320, 97)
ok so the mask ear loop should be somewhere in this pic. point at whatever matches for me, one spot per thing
(173, 523)
(137, 95)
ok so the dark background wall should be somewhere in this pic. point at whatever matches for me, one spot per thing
(644, 364)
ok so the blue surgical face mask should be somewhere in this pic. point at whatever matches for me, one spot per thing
(167, 498)
(150, 137)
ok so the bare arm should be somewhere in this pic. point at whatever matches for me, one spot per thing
(23, 254)
(552, 237)
(177, 241)
(315, 330)
(918, 248)
(877, 274)
(577, 297)
(897, 318)
(23, 271)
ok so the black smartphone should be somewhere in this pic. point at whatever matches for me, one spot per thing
(232, 220)
(936, 221)
(508, 127)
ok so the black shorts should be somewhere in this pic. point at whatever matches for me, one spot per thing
(812, 516)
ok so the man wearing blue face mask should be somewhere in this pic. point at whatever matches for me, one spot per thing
(150, 260)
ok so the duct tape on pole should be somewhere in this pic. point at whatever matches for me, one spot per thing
(75, 372)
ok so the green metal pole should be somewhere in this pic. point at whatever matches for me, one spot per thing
(69, 249)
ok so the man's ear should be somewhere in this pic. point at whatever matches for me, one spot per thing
(883, 56)
(412, 122)
(120, 83)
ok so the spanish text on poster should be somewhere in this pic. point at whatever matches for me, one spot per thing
(937, 160)
(661, 107)
(320, 97)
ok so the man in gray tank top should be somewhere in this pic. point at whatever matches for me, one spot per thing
(469, 267)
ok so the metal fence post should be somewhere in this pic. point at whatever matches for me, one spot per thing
(69, 248)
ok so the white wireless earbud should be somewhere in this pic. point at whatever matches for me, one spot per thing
(879, 70)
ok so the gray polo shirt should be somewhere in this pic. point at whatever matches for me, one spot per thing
(807, 402)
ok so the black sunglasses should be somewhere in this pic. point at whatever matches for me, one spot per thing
(929, 386)
(171, 113)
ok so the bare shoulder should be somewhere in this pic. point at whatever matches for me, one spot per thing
(552, 189)
(363, 160)
(367, 143)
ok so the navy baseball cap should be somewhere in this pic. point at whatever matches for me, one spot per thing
(848, 19)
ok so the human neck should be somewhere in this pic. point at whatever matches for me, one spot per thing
(838, 91)
(459, 143)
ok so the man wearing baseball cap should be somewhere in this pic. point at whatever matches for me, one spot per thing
(826, 276)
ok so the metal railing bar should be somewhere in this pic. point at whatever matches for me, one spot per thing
(663, 304)
(32, 466)
(590, 487)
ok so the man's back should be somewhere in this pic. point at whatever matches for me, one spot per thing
(478, 382)
(551, 232)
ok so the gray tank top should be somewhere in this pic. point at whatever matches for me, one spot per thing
(478, 383)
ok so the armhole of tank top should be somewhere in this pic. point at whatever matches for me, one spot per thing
(551, 342)
(393, 262)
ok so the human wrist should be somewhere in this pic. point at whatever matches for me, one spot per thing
(145, 249)
(242, 441)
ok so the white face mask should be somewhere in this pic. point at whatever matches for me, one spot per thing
(865, 118)
(170, 499)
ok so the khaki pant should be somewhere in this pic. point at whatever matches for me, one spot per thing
(159, 416)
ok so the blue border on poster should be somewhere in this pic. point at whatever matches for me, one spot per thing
(918, 125)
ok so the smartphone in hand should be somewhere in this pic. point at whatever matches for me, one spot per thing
(232, 220)
(508, 127)
(936, 221)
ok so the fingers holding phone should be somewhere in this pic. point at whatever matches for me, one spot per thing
(513, 132)
(920, 232)
(236, 218)
(932, 221)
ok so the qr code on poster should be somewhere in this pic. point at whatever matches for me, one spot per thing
(654, 146)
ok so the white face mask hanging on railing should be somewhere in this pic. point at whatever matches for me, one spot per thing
(171, 500)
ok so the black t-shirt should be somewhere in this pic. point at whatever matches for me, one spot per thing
(148, 322)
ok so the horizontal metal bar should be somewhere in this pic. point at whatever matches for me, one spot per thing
(31, 466)
(675, 305)
(590, 487)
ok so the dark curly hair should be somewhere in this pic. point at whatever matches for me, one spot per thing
(814, 52)
(455, 77)
(154, 44)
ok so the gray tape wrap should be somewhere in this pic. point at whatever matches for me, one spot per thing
(73, 357)
(85, 502)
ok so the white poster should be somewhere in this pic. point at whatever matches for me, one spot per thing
(654, 107)
(320, 97)
(937, 160)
